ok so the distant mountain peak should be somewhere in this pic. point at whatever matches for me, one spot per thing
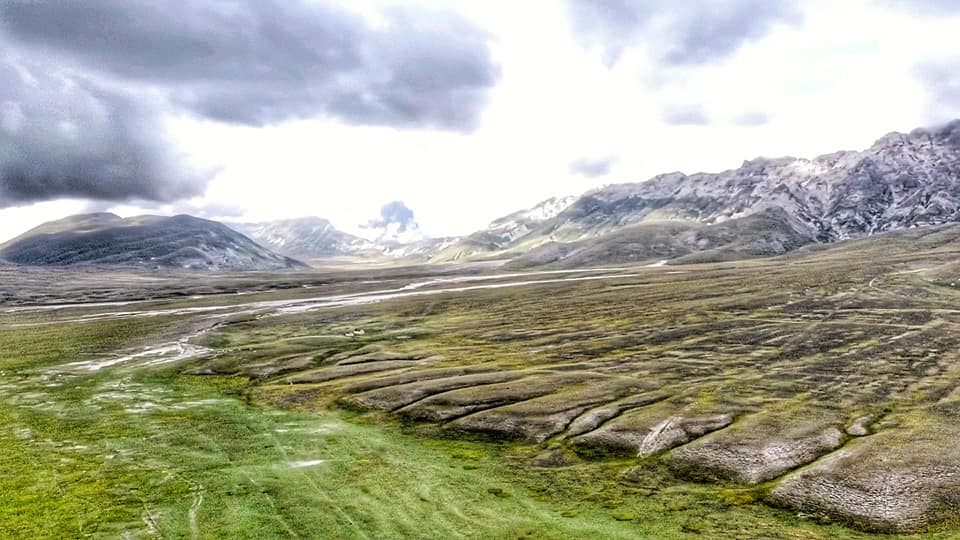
(308, 237)
(315, 238)
(181, 241)
(540, 212)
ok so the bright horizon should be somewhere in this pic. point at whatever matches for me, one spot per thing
(464, 111)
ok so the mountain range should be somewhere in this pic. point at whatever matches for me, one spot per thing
(304, 238)
(765, 207)
(316, 239)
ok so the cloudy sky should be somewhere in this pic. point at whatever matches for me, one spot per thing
(464, 110)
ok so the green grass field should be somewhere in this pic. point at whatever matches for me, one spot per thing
(255, 439)
(143, 454)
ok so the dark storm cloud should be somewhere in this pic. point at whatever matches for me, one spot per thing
(942, 83)
(84, 83)
(395, 212)
(592, 167)
(64, 136)
(751, 118)
(685, 115)
(259, 62)
(677, 33)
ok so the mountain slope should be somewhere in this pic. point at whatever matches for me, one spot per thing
(764, 234)
(901, 181)
(304, 238)
(147, 241)
(507, 231)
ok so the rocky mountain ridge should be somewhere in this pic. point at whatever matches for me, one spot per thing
(901, 181)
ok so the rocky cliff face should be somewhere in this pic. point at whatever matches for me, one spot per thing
(903, 180)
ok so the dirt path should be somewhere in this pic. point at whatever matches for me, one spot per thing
(194, 511)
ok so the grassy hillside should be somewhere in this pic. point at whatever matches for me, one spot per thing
(681, 241)
(144, 241)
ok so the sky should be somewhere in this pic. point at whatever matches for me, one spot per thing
(449, 113)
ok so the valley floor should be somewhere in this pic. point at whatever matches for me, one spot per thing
(806, 397)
